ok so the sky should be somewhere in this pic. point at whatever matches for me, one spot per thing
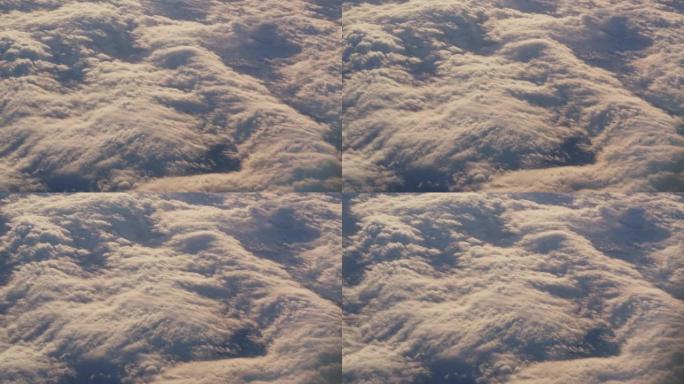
(513, 288)
(323, 95)
(182, 288)
(513, 96)
(120, 288)
(240, 191)
(169, 96)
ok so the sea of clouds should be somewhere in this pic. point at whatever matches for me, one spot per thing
(173, 95)
(527, 288)
(434, 95)
(513, 95)
(185, 288)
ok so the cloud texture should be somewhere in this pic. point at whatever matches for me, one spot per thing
(530, 288)
(177, 95)
(513, 95)
(133, 288)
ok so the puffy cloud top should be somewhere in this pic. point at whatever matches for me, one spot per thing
(530, 288)
(126, 288)
(513, 95)
(180, 95)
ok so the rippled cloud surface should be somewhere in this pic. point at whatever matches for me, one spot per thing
(533, 288)
(113, 289)
(513, 95)
(173, 95)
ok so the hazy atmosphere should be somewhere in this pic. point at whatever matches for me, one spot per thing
(531, 288)
(174, 95)
(120, 288)
(513, 95)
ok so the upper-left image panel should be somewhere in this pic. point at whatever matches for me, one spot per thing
(170, 95)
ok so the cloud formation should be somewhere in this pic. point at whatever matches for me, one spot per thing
(179, 95)
(527, 288)
(185, 288)
(513, 95)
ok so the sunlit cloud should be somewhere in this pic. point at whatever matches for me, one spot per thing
(179, 95)
(133, 288)
(530, 288)
(509, 95)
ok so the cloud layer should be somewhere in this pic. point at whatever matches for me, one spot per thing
(180, 95)
(529, 288)
(188, 288)
(494, 95)
(513, 95)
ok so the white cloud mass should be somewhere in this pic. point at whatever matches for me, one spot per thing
(527, 288)
(173, 95)
(513, 95)
(184, 288)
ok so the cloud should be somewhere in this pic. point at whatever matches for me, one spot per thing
(179, 95)
(526, 288)
(507, 95)
(184, 288)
